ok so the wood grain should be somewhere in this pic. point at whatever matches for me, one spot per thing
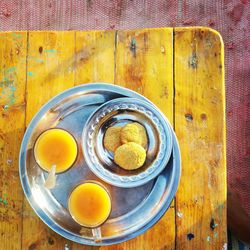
(13, 48)
(200, 128)
(50, 70)
(95, 56)
(94, 63)
(144, 63)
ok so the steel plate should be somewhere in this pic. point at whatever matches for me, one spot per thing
(133, 210)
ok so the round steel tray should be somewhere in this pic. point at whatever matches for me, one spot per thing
(133, 210)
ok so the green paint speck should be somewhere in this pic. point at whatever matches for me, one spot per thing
(16, 35)
(13, 88)
(8, 92)
(133, 42)
(208, 238)
(133, 46)
(10, 70)
(30, 74)
(35, 59)
(215, 235)
(4, 201)
(50, 50)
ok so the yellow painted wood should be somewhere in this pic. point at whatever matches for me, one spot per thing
(186, 69)
(13, 48)
(50, 70)
(95, 56)
(200, 128)
(144, 63)
(94, 63)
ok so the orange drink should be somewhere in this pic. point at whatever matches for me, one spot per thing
(89, 204)
(55, 147)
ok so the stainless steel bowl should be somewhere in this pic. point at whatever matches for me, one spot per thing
(119, 112)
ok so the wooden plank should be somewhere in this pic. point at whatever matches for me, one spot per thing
(51, 62)
(94, 63)
(200, 128)
(95, 56)
(13, 48)
(50, 70)
(144, 63)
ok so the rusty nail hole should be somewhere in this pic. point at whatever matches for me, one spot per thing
(203, 117)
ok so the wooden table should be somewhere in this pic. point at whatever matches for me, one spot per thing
(181, 70)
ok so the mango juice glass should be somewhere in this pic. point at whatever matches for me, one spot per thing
(90, 206)
(55, 146)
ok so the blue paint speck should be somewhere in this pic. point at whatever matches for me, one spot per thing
(30, 73)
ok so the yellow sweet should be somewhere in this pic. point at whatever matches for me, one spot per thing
(130, 156)
(134, 132)
(112, 138)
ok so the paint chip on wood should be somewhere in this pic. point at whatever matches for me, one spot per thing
(66, 246)
(189, 117)
(9, 162)
(179, 214)
(50, 50)
(213, 225)
(193, 61)
(133, 47)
